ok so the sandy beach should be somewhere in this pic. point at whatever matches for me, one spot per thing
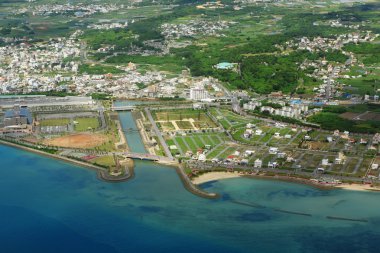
(357, 187)
(220, 175)
(212, 176)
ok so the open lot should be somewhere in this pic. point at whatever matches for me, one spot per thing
(83, 140)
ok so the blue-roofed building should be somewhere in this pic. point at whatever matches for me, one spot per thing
(318, 104)
(296, 102)
(18, 116)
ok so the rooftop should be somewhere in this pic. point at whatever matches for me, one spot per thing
(21, 112)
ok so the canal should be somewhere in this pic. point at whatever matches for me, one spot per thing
(129, 127)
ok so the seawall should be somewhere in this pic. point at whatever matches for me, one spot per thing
(62, 158)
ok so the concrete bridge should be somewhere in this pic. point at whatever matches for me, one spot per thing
(148, 157)
(123, 108)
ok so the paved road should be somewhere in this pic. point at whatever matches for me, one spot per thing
(159, 135)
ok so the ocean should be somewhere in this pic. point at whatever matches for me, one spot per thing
(51, 206)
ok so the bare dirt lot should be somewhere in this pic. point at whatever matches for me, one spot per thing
(84, 140)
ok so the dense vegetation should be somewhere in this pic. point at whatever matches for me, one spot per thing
(118, 38)
(330, 118)
(332, 121)
(98, 69)
(370, 52)
(100, 96)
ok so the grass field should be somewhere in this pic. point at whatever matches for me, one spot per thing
(54, 122)
(194, 142)
(180, 114)
(105, 161)
(184, 125)
(215, 152)
(230, 120)
(166, 126)
(186, 119)
(85, 124)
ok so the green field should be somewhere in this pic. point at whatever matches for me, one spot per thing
(193, 142)
(85, 124)
(200, 119)
(54, 122)
(184, 124)
(104, 161)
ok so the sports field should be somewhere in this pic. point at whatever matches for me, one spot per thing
(85, 124)
(54, 122)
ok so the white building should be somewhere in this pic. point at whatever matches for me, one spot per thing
(273, 150)
(202, 157)
(198, 93)
(249, 152)
(258, 132)
(251, 105)
(258, 163)
(325, 162)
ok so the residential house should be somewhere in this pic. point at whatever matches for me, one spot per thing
(273, 150)
(258, 163)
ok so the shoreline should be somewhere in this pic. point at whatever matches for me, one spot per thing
(193, 188)
(222, 175)
(104, 176)
(53, 156)
(358, 187)
(214, 176)
(192, 185)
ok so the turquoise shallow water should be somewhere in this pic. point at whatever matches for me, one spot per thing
(50, 206)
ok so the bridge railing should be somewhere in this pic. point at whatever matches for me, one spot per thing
(121, 108)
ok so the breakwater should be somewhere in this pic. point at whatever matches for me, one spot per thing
(128, 174)
(193, 188)
(345, 219)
